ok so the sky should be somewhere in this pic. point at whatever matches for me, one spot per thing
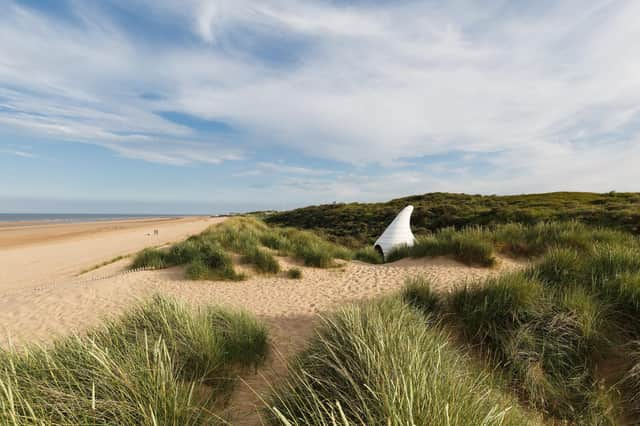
(194, 106)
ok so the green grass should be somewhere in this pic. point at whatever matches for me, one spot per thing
(208, 255)
(549, 327)
(294, 273)
(359, 224)
(151, 258)
(369, 255)
(631, 380)
(479, 245)
(381, 364)
(160, 363)
(548, 339)
(469, 245)
(418, 293)
(262, 260)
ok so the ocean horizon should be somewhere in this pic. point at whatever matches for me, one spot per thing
(76, 217)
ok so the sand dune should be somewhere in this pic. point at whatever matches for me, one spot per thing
(30, 313)
(289, 307)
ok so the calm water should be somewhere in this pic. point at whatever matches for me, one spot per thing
(70, 218)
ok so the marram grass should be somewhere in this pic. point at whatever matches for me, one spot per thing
(548, 328)
(380, 363)
(162, 363)
(208, 255)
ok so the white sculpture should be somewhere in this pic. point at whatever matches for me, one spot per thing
(398, 232)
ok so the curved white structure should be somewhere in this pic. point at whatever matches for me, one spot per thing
(398, 232)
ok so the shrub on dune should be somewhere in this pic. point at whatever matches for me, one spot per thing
(314, 255)
(561, 266)
(608, 261)
(186, 251)
(294, 273)
(197, 270)
(469, 245)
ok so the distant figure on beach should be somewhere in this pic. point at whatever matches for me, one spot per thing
(397, 233)
(155, 232)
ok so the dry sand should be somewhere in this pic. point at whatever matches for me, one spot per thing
(40, 254)
(289, 307)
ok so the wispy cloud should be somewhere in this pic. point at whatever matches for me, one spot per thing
(552, 92)
(17, 153)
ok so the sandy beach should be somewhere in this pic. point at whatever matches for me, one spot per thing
(35, 255)
(43, 296)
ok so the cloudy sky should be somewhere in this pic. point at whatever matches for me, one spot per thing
(191, 106)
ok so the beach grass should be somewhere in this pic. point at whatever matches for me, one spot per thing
(547, 341)
(470, 245)
(160, 363)
(630, 381)
(368, 255)
(209, 254)
(294, 273)
(480, 245)
(418, 292)
(549, 327)
(379, 363)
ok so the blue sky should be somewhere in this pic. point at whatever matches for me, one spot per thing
(194, 106)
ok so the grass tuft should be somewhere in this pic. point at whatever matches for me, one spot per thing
(368, 255)
(380, 364)
(418, 293)
(150, 258)
(160, 363)
(207, 255)
(262, 261)
(294, 273)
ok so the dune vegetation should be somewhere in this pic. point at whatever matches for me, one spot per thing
(559, 339)
(479, 245)
(564, 332)
(161, 363)
(209, 255)
(359, 224)
(562, 337)
(555, 343)
(380, 363)
(294, 273)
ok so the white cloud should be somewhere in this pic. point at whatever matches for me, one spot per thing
(17, 153)
(554, 91)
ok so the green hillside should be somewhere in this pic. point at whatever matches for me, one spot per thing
(355, 224)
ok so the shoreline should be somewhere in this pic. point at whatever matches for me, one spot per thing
(73, 221)
(19, 234)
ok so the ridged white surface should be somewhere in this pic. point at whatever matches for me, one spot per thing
(398, 232)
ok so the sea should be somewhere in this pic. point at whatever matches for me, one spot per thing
(72, 217)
